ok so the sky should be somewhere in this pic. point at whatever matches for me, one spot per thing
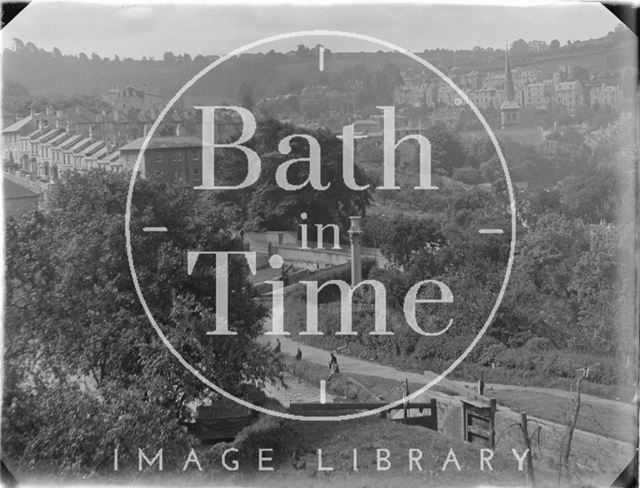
(150, 28)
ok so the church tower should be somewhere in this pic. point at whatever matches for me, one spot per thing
(510, 111)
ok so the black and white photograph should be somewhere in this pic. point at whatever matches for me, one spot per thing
(319, 244)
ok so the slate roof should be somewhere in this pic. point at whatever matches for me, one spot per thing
(509, 104)
(92, 148)
(114, 156)
(35, 134)
(80, 145)
(16, 126)
(168, 142)
(80, 114)
(99, 153)
(60, 138)
(72, 141)
(48, 135)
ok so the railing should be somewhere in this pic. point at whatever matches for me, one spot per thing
(428, 418)
(25, 181)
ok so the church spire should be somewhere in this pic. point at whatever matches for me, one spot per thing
(509, 91)
(510, 108)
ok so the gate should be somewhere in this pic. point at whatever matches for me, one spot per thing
(479, 422)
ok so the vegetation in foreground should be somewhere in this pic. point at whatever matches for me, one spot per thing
(337, 440)
(85, 372)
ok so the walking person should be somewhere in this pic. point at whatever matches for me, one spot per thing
(278, 347)
(333, 363)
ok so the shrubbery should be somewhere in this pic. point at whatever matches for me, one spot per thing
(540, 355)
(537, 357)
(267, 432)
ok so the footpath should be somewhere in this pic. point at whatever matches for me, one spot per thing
(351, 365)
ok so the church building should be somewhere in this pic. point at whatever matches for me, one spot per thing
(510, 110)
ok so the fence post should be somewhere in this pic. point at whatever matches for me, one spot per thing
(492, 422)
(527, 445)
(406, 394)
(481, 383)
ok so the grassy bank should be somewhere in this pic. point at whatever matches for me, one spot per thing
(337, 440)
(598, 418)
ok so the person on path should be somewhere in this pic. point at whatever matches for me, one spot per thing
(298, 355)
(333, 364)
(278, 347)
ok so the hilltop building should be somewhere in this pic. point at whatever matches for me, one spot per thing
(605, 98)
(135, 97)
(570, 94)
(538, 95)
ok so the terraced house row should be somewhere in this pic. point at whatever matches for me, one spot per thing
(51, 153)
(48, 146)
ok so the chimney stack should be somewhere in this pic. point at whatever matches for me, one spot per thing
(355, 235)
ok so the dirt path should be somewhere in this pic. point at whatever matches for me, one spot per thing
(352, 365)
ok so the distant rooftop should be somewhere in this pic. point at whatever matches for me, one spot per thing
(67, 143)
(16, 126)
(59, 138)
(48, 135)
(168, 142)
(79, 146)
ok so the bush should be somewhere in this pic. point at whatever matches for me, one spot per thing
(468, 175)
(490, 354)
(539, 344)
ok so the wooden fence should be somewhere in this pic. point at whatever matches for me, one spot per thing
(428, 410)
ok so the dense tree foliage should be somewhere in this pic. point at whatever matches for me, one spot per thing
(270, 207)
(80, 354)
(568, 284)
